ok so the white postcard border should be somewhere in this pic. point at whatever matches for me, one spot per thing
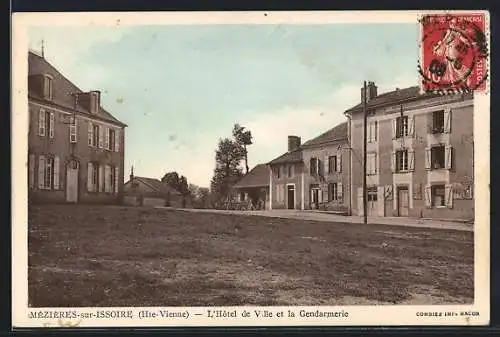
(356, 315)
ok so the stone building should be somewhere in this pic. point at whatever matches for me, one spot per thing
(75, 146)
(420, 153)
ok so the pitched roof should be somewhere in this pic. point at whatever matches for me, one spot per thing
(337, 133)
(157, 185)
(258, 176)
(294, 156)
(63, 90)
(391, 97)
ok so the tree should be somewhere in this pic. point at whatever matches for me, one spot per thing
(200, 196)
(177, 182)
(228, 157)
(243, 137)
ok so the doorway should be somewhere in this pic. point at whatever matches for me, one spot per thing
(314, 197)
(72, 181)
(403, 201)
(291, 196)
(372, 200)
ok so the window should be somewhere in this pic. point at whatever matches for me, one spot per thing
(314, 166)
(438, 121)
(111, 139)
(402, 126)
(332, 164)
(72, 130)
(46, 123)
(371, 163)
(438, 195)
(290, 171)
(438, 157)
(372, 132)
(401, 160)
(332, 192)
(48, 172)
(94, 178)
(110, 179)
(95, 133)
(277, 172)
(371, 194)
(47, 87)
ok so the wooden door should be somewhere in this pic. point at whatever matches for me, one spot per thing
(403, 201)
(291, 197)
(72, 182)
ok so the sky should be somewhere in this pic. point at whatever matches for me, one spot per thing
(180, 88)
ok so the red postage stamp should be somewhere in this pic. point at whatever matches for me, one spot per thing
(453, 53)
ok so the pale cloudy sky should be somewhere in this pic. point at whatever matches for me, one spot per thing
(181, 88)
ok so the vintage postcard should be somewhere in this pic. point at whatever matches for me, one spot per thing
(250, 169)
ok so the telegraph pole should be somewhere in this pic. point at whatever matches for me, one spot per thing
(364, 155)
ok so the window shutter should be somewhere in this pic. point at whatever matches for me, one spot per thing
(360, 201)
(376, 131)
(117, 179)
(327, 165)
(393, 162)
(411, 160)
(325, 195)
(117, 140)
(107, 179)
(428, 196)
(394, 127)
(447, 120)
(101, 178)
(340, 192)
(90, 170)
(448, 157)
(51, 125)
(411, 126)
(31, 169)
(91, 134)
(56, 173)
(101, 136)
(41, 171)
(312, 196)
(72, 130)
(318, 170)
(106, 138)
(448, 196)
(427, 158)
(320, 196)
(41, 122)
(339, 163)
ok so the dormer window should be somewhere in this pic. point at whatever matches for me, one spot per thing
(47, 87)
(94, 102)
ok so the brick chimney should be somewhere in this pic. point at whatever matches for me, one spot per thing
(293, 143)
(372, 91)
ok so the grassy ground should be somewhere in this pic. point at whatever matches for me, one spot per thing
(119, 256)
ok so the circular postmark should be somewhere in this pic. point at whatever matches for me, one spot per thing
(453, 53)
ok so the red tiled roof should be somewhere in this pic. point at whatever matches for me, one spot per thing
(258, 176)
(63, 90)
(337, 133)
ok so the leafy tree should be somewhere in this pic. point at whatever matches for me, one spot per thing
(177, 182)
(243, 137)
(228, 157)
(200, 196)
